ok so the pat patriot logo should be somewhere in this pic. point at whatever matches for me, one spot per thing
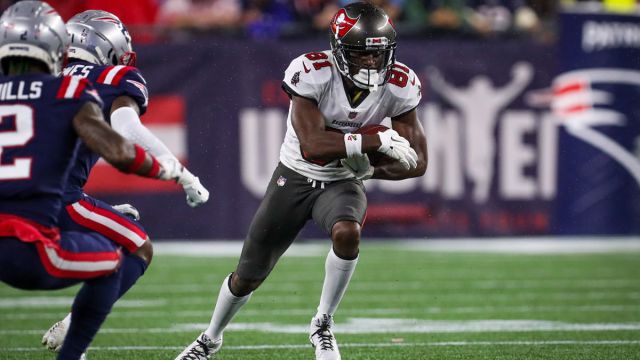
(584, 106)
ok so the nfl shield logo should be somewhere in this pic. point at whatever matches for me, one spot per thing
(281, 181)
(353, 114)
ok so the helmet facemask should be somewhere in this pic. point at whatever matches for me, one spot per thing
(368, 67)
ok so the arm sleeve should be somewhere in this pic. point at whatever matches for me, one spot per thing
(126, 122)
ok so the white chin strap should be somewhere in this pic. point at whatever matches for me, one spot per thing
(367, 79)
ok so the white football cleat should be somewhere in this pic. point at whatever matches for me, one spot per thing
(54, 337)
(322, 338)
(201, 349)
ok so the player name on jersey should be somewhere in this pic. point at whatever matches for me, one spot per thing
(21, 90)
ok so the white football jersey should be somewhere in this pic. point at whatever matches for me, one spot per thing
(314, 76)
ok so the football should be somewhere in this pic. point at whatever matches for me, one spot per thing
(375, 158)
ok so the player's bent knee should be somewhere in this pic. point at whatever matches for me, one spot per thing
(145, 252)
(346, 239)
(243, 287)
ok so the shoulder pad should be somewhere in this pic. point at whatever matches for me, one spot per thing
(308, 75)
(76, 87)
(405, 87)
(71, 87)
(112, 75)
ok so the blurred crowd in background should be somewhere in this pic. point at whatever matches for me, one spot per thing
(157, 20)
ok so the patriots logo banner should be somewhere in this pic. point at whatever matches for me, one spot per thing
(596, 105)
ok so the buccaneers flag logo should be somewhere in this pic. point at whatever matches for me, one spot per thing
(342, 23)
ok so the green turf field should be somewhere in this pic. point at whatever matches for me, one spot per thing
(402, 304)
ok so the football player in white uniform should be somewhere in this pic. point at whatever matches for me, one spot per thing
(323, 162)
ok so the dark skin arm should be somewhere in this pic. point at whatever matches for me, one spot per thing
(124, 101)
(90, 126)
(316, 142)
(407, 126)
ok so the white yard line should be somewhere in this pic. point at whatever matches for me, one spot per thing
(528, 245)
(427, 284)
(383, 326)
(40, 302)
(319, 247)
(525, 309)
(360, 345)
(44, 302)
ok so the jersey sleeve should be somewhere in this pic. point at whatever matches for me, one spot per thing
(75, 88)
(126, 81)
(303, 78)
(405, 88)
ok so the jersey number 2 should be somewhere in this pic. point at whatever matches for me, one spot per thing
(20, 136)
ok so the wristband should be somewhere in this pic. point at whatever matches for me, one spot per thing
(353, 144)
(138, 160)
(155, 168)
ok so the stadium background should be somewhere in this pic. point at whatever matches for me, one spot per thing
(216, 102)
(501, 160)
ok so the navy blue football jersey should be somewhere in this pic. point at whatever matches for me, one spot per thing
(111, 82)
(38, 141)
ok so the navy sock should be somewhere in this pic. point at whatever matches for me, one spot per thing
(94, 302)
(90, 308)
(132, 268)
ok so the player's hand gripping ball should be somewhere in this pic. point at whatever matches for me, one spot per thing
(375, 158)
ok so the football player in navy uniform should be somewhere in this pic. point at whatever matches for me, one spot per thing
(101, 51)
(333, 93)
(43, 118)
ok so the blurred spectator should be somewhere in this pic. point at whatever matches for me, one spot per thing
(68, 8)
(477, 17)
(267, 18)
(139, 16)
(315, 14)
(440, 16)
(491, 16)
(200, 14)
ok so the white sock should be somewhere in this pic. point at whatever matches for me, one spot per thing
(336, 279)
(226, 307)
(67, 320)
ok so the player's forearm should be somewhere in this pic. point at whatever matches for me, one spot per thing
(331, 145)
(126, 122)
(395, 171)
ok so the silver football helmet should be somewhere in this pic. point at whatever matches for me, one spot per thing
(99, 37)
(33, 29)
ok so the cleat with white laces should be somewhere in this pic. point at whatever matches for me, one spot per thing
(54, 337)
(201, 349)
(322, 338)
